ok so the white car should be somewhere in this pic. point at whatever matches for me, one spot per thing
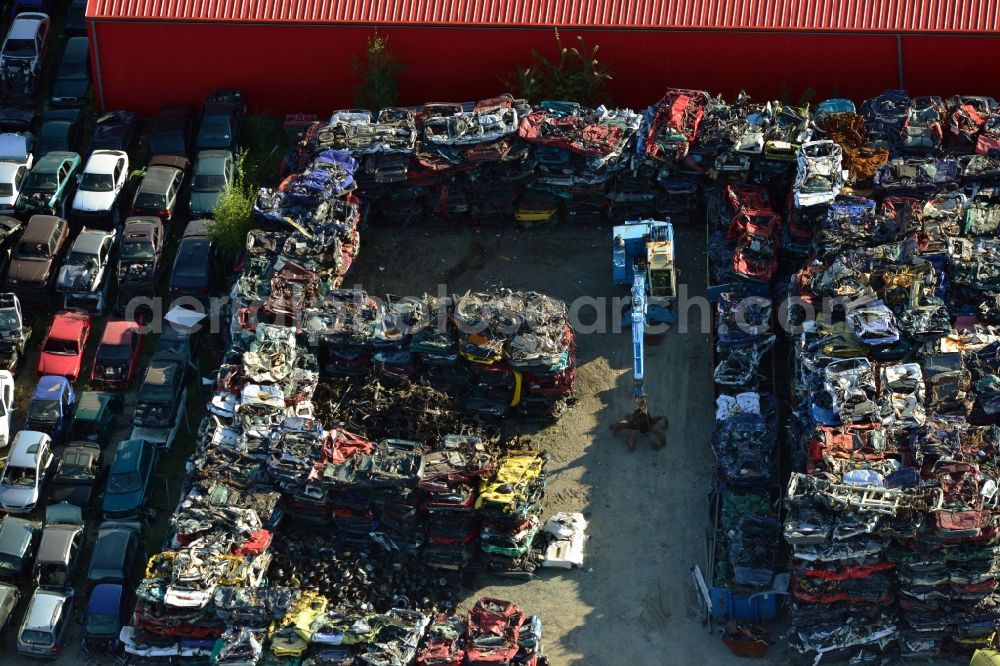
(15, 162)
(102, 181)
(26, 42)
(23, 477)
(84, 276)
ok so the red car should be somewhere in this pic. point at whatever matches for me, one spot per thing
(117, 356)
(62, 348)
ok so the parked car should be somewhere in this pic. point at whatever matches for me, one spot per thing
(26, 43)
(44, 630)
(85, 276)
(9, 596)
(195, 272)
(46, 188)
(140, 260)
(107, 612)
(130, 481)
(95, 416)
(115, 130)
(18, 543)
(171, 133)
(73, 77)
(19, 118)
(6, 407)
(60, 132)
(212, 172)
(23, 478)
(51, 406)
(14, 334)
(78, 474)
(101, 184)
(19, 6)
(64, 344)
(15, 161)
(157, 193)
(180, 343)
(32, 267)
(114, 554)
(61, 546)
(76, 23)
(159, 399)
(117, 356)
(221, 126)
(10, 232)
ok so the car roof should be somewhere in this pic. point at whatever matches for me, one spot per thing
(14, 145)
(52, 161)
(83, 448)
(56, 542)
(161, 371)
(89, 241)
(49, 384)
(116, 332)
(127, 456)
(16, 534)
(91, 403)
(106, 598)
(196, 229)
(178, 162)
(25, 25)
(76, 46)
(43, 609)
(24, 450)
(157, 179)
(104, 161)
(141, 225)
(110, 549)
(40, 227)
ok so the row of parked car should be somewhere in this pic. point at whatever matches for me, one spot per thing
(74, 233)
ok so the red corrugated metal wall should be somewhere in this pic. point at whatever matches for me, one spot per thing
(307, 68)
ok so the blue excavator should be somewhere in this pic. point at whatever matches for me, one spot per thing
(642, 253)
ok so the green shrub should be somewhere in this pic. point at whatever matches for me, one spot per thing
(378, 72)
(232, 217)
(576, 75)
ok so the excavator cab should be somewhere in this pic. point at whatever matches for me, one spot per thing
(643, 258)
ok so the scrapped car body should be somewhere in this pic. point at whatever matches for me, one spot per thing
(101, 183)
(114, 553)
(32, 270)
(78, 471)
(95, 417)
(86, 273)
(63, 346)
(23, 478)
(73, 77)
(14, 334)
(46, 188)
(107, 612)
(114, 130)
(23, 52)
(157, 192)
(130, 480)
(18, 543)
(213, 172)
(671, 126)
(820, 175)
(45, 628)
(51, 406)
(140, 266)
(15, 162)
(61, 546)
(117, 356)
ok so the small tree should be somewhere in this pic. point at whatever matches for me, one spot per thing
(378, 72)
(233, 212)
(576, 75)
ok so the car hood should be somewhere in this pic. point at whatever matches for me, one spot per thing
(18, 497)
(203, 202)
(70, 89)
(58, 364)
(37, 200)
(94, 201)
(29, 270)
(78, 278)
(8, 202)
(119, 503)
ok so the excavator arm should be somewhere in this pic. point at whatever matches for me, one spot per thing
(639, 304)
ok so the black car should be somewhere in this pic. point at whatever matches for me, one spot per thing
(78, 474)
(179, 343)
(196, 264)
(157, 193)
(73, 78)
(115, 130)
(222, 118)
(171, 134)
(18, 543)
(60, 132)
(140, 260)
(76, 23)
(114, 553)
(18, 119)
(10, 231)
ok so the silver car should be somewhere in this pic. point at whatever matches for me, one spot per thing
(46, 623)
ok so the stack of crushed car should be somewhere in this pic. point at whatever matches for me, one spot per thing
(891, 507)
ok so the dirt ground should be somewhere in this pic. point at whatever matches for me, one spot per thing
(633, 603)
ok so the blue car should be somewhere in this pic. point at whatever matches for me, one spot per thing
(51, 407)
(130, 482)
(107, 612)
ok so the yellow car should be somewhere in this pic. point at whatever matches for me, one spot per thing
(509, 486)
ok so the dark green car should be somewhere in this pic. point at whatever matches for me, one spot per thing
(130, 482)
(95, 417)
(212, 172)
(48, 184)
